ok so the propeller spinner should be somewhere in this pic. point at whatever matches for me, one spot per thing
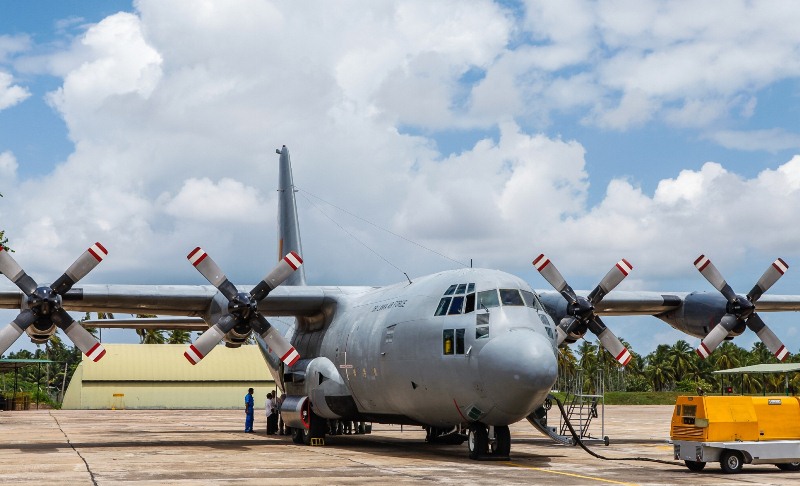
(242, 307)
(580, 310)
(44, 311)
(741, 309)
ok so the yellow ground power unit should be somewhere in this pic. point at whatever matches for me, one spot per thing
(737, 430)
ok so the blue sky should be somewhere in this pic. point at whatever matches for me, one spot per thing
(590, 131)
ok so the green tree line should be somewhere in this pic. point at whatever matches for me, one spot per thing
(675, 367)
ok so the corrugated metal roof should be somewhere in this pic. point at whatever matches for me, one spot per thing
(764, 368)
(165, 362)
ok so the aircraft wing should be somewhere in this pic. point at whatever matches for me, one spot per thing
(624, 303)
(174, 300)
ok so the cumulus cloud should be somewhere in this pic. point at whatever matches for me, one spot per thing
(771, 140)
(204, 201)
(11, 94)
(175, 111)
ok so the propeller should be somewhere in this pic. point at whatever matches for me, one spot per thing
(42, 305)
(741, 309)
(580, 310)
(243, 307)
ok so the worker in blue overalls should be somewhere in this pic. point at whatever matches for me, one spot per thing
(249, 403)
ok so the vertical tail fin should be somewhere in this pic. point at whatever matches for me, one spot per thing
(288, 225)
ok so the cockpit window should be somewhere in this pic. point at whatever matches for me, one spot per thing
(455, 301)
(530, 299)
(444, 304)
(470, 303)
(455, 307)
(511, 297)
(487, 299)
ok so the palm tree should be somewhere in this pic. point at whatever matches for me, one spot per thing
(567, 366)
(727, 356)
(679, 357)
(760, 354)
(179, 336)
(588, 364)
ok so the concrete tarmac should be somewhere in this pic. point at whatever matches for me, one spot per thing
(88, 447)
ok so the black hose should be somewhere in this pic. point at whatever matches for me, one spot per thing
(579, 442)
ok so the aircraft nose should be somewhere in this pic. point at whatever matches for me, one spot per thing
(518, 368)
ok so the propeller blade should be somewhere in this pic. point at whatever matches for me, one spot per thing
(711, 274)
(279, 345)
(765, 334)
(771, 275)
(10, 333)
(285, 268)
(80, 268)
(211, 271)
(209, 339)
(11, 269)
(614, 276)
(610, 342)
(79, 336)
(554, 277)
(716, 335)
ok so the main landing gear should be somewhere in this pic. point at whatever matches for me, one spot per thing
(489, 442)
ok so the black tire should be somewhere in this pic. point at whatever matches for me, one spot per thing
(478, 441)
(297, 435)
(789, 466)
(695, 466)
(731, 461)
(501, 447)
(606, 440)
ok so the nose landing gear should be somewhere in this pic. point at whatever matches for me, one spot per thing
(489, 443)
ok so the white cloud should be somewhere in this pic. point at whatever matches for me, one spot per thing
(771, 140)
(13, 44)
(206, 202)
(11, 94)
(176, 110)
(8, 168)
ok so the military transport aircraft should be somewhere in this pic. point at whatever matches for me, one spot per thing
(468, 349)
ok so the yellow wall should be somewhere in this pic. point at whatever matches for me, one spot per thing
(141, 376)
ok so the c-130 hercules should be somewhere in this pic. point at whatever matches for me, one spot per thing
(469, 348)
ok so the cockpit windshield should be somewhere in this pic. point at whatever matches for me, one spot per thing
(454, 300)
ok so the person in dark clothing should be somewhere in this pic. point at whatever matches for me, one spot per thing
(249, 404)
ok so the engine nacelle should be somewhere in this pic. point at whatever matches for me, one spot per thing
(330, 396)
(295, 411)
(699, 312)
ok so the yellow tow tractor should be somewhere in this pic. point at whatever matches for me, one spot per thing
(737, 430)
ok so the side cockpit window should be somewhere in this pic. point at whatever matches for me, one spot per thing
(488, 299)
(511, 297)
(457, 299)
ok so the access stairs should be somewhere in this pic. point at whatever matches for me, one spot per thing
(580, 410)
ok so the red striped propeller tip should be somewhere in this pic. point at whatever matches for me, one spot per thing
(98, 251)
(294, 260)
(196, 256)
(540, 262)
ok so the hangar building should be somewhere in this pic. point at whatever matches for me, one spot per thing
(141, 376)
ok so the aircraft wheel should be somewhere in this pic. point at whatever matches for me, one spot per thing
(501, 446)
(297, 436)
(478, 441)
(695, 466)
(789, 466)
(731, 461)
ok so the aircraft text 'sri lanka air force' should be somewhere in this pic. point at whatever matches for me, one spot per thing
(468, 349)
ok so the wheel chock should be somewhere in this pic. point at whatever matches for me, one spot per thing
(317, 441)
